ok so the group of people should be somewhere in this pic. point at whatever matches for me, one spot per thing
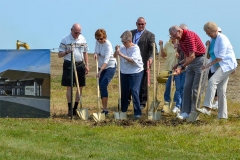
(184, 51)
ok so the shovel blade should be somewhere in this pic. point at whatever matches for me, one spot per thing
(167, 108)
(83, 113)
(157, 103)
(154, 115)
(120, 115)
(193, 116)
(98, 117)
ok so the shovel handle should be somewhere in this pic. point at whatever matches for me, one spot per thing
(76, 77)
(148, 85)
(119, 83)
(98, 94)
(201, 77)
(154, 77)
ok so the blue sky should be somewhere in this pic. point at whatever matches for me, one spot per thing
(25, 60)
(42, 24)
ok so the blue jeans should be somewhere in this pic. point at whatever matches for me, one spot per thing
(179, 83)
(104, 79)
(131, 82)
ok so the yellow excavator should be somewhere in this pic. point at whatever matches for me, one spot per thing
(22, 44)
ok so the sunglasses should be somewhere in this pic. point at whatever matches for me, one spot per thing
(99, 39)
(77, 33)
(124, 42)
(140, 24)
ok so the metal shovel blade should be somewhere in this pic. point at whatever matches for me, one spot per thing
(83, 113)
(193, 116)
(120, 115)
(157, 103)
(98, 117)
(154, 115)
(167, 108)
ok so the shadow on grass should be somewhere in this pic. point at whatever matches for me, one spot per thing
(15, 110)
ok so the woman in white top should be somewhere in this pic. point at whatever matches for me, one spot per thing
(131, 67)
(221, 52)
(106, 65)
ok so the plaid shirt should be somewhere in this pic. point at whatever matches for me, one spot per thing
(190, 42)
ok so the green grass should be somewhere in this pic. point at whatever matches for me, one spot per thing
(64, 139)
(60, 138)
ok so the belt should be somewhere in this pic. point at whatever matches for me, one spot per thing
(77, 63)
(199, 55)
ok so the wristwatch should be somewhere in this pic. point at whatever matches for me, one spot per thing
(181, 65)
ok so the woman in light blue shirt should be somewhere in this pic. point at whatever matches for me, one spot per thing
(224, 61)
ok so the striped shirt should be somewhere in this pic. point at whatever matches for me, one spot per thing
(190, 42)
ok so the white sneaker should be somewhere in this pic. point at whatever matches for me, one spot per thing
(175, 109)
(204, 111)
(215, 105)
(183, 116)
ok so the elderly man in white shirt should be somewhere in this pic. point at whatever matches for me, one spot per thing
(76, 43)
(221, 52)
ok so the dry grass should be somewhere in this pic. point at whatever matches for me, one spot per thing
(58, 98)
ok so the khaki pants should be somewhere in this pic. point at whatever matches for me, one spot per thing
(218, 81)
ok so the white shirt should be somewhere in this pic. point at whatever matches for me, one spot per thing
(127, 67)
(105, 54)
(224, 50)
(79, 46)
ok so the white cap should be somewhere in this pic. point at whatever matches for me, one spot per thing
(219, 29)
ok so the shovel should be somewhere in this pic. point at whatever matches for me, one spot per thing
(193, 116)
(98, 117)
(119, 114)
(148, 85)
(168, 107)
(82, 112)
(153, 114)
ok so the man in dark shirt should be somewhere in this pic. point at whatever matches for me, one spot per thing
(144, 39)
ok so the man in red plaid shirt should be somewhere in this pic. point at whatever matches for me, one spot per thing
(194, 50)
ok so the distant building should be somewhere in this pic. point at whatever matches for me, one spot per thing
(24, 83)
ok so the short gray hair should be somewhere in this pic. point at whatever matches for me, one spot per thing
(174, 29)
(183, 26)
(127, 35)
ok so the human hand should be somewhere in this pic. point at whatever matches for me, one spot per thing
(95, 56)
(234, 71)
(178, 70)
(177, 55)
(98, 74)
(150, 60)
(160, 42)
(87, 69)
(175, 67)
(117, 48)
(207, 43)
(206, 66)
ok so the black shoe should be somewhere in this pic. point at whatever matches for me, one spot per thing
(106, 112)
(74, 111)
